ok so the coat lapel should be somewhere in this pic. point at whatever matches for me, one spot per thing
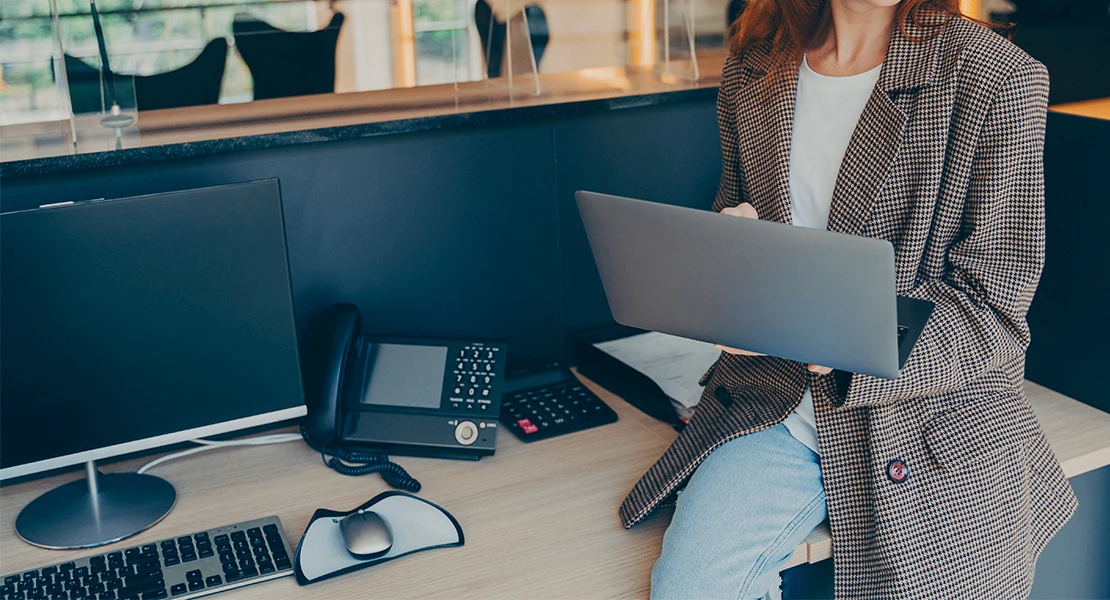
(866, 166)
(909, 65)
(765, 115)
(764, 108)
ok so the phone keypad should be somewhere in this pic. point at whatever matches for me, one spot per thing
(474, 375)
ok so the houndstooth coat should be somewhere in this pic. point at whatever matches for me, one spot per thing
(940, 484)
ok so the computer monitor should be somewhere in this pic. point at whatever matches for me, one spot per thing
(132, 324)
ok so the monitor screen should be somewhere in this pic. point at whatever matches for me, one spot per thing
(133, 323)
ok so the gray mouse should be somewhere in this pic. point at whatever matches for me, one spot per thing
(366, 534)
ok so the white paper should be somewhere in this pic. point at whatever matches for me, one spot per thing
(675, 364)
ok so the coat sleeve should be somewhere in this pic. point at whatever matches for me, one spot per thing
(978, 323)
(728, 192)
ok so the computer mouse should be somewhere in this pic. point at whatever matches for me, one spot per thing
(366, 534)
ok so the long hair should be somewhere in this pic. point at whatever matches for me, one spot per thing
(792, 26)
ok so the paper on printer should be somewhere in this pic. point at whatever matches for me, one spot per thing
(675, 364)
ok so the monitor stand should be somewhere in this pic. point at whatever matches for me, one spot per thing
(97, 510)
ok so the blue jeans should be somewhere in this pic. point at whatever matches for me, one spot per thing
(744, 510)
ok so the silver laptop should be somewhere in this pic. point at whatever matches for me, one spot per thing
(802, 294)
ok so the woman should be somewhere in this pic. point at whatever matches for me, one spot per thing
(903, 121)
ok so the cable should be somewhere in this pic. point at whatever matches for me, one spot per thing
(275, 438)
(206, 445)
(393, 473)
(355, 463)
(346, 462)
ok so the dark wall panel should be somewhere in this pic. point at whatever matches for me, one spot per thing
(1068, 318)
(446, 233)
(670, 154)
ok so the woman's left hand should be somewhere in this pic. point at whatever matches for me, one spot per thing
(819, 369)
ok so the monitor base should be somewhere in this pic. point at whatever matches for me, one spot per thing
(97, 510)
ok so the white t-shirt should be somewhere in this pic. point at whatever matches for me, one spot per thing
(826, 111)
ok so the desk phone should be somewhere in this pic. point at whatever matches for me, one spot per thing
(411, 396)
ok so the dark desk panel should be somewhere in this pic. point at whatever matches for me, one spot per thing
(449, 233)
(1069, 321)
(670, 155)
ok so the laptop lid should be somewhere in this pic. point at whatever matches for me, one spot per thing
(802, 294)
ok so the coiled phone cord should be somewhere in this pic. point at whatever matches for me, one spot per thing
(355, 463)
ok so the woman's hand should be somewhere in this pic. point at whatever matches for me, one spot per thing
(748, 211)
(743, 209)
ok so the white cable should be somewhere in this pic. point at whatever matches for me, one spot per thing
(275, 438)
(206, 445)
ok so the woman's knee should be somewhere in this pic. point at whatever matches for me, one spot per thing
(702, 559)
(746, 505)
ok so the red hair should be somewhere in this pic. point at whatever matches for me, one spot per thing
(792, 26)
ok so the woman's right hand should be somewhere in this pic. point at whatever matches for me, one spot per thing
(746, 211)
(743, 209)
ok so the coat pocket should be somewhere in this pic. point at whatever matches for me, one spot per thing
(957, 437)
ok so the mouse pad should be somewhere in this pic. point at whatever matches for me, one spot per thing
(416, 523)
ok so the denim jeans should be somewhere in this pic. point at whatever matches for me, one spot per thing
(736, 524)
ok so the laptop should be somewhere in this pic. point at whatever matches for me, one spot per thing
(802, 294)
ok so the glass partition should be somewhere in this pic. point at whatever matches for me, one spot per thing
(510, 48)
(676, 57)
(165, 54)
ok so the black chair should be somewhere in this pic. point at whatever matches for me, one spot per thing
(492, 32)
(195, 84)
(287, 63)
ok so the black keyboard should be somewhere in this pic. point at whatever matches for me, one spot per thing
(185, 567)
(902, 331)
(553, 408)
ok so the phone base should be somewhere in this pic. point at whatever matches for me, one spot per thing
(431, 434)
(420, 451)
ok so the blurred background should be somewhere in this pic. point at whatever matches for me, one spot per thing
(195, 52)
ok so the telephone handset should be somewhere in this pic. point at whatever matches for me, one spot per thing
(327, 346)
(411, 396)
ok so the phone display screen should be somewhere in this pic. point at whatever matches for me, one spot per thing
(404, 375)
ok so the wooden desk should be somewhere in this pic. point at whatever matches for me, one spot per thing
(540, 519)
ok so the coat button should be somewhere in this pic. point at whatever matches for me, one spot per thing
(897, 471)
(723, 396)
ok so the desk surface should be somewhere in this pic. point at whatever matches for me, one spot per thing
(540, 519)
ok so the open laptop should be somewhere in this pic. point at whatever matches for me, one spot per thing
(802, 294)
